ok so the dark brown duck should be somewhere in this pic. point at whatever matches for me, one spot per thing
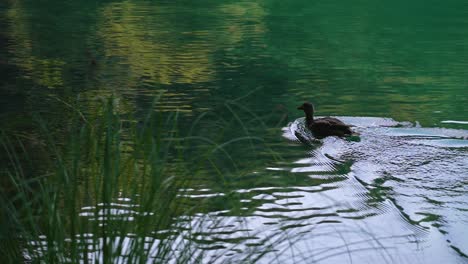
(324, 127)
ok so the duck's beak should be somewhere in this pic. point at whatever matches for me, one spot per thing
(300, 107)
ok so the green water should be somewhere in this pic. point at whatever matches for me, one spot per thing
(247, 65)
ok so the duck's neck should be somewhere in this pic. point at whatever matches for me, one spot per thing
(309, 118)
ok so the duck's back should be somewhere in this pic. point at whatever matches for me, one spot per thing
(329, 126)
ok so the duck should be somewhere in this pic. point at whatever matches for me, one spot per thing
(326, 126)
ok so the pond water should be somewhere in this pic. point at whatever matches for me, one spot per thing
(395, 70)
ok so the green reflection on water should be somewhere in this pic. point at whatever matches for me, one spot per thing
(396, 60)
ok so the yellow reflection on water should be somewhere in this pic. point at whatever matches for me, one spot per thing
(152, 46)
(46, 72)
(172, 48)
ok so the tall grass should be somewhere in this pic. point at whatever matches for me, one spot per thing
(111, 191)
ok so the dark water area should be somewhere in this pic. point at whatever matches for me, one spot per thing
(397, 71)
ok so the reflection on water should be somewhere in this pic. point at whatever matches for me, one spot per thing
(398, 195)
(416, 173)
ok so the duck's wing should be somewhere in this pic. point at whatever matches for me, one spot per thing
(331, 122)
(332, 126)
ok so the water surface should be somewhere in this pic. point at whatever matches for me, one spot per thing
(396, 70)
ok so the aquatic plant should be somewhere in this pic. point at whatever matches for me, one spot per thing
(113, 190)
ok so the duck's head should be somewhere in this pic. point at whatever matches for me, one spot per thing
(307, 107)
